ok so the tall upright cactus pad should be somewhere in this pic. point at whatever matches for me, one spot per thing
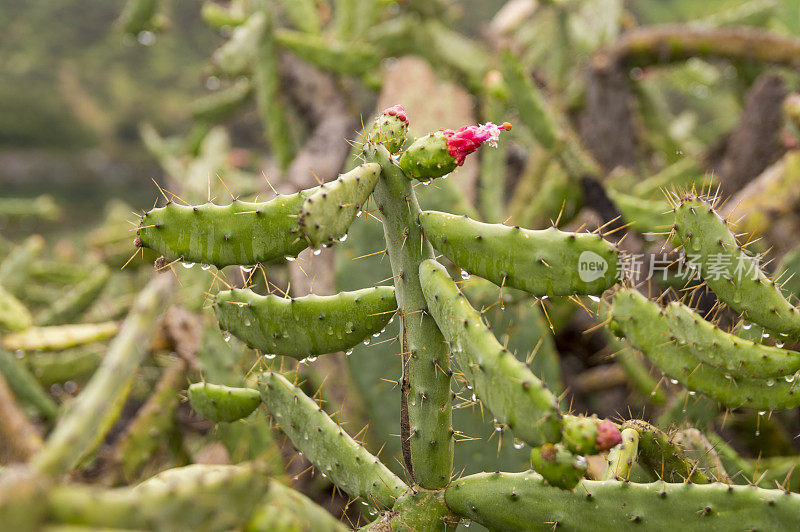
(327, 213)
(305, 326)
(645, 325)
(544, 262)
(241, 232)
(733, 274)
(326, 445)
(428, 432)
(506, 386)
(523, 501)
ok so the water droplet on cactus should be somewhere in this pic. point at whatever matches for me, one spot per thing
(770, 382)
(146, 38)
(19, 353)
(247, 269)
(317, 251)
(343, 239)
(464, 274)
(779, 344)
(747, 326)
(226, 336)
(348, 352)
(594, 298)
(518, 444)
(366, 342)
(246, 322)
(205, 267)
(765, 335)
(762, 412)
(696, 244)
(290, 259)
(758, 433)
(359, 213)
(691, 392)
(377, 334)
(474, 397)
(270, 357)
(790, 378)
(187, 265)
(70, 387)
(674, 381)
(311, 359)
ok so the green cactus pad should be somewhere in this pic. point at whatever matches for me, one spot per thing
(84, 424)
(337, 56)
(427, 158)
(219, 403)
(218, 106)
(195, 497)
(305, 326)
(14, 316)
(733, 275)
(25, 386)
(428, 396)
(238, 233)
(524, 501)
(545, 262)
(662, 457)
(558, 466)
(58, 337)
(733, 355)
(236, 56)
(70, 307)
(646, 326)
(326, 445)
(287, 510)
(326, 214)
(505, 385)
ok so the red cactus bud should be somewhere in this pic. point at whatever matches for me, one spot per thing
(399, 111)
(608, 435)
(467, 139)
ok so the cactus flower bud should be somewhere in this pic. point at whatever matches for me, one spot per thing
(608, 435)
(390, 128)
(440, 153)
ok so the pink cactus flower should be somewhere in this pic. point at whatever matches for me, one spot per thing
(467, 139)
(608, 435)
(399, 111)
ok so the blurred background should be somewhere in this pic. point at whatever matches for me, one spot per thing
(612, 101)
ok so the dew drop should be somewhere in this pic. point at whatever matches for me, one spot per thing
(270, 357)
(70, 387)
(245, 269)
(595, 299)
(770, 382)
(317, 251)
(464, 274)
(348, 352)
(290, 259)
(674, 381)
(343, 239)
(366, 342)
(747, 326)
(205, 267)
(311, 359)
(226, 336)
(377, 334)
(187, 265)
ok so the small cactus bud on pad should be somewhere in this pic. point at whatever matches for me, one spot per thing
(558, 466)
(239, 233)
(219, 403)
(390, 128)
(327, 213)
(305, 326)
(542, 262)
(439, 153)
(505, 385)
(589, 435)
